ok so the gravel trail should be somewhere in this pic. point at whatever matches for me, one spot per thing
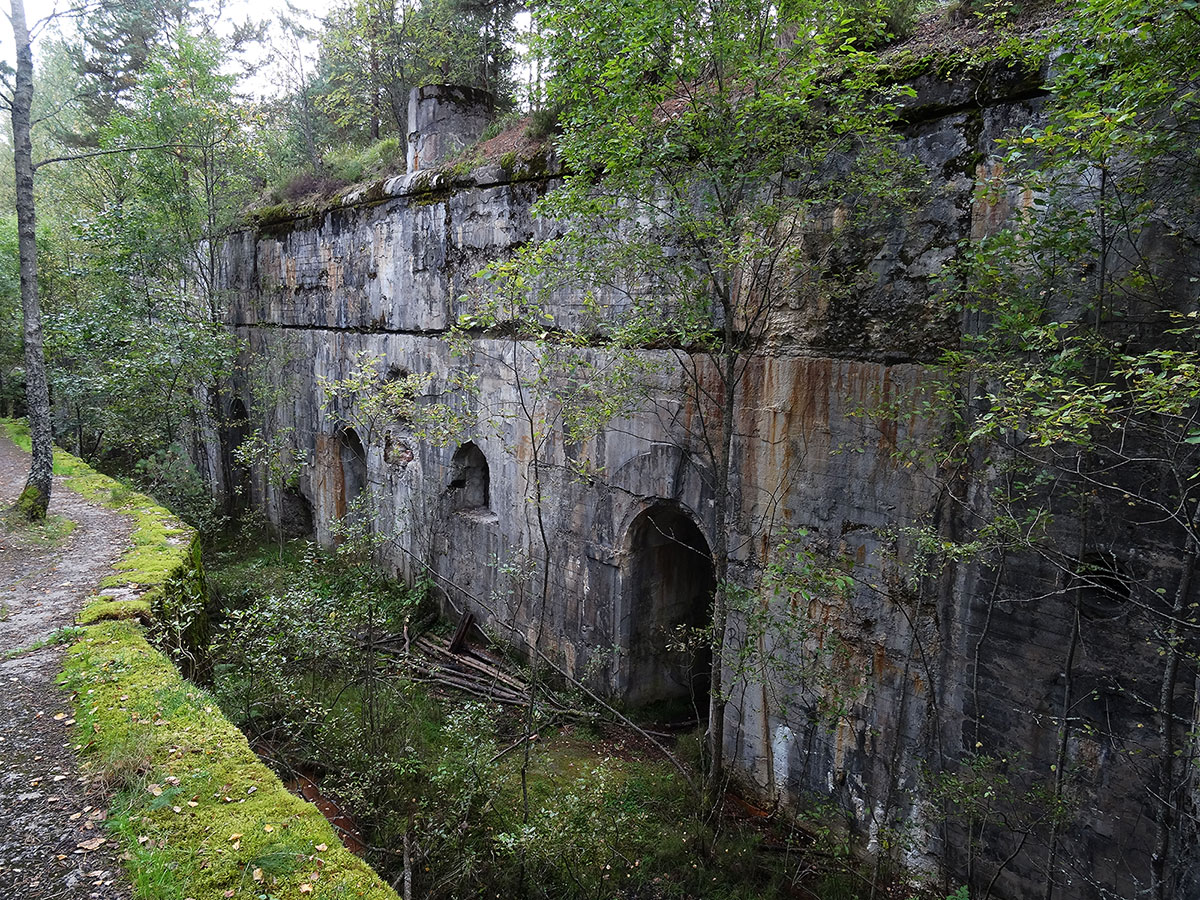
(49, 813)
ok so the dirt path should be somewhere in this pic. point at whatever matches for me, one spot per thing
(47, 809)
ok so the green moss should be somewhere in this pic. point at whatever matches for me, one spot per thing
(462, 167)
(284, 216)
(195, 809)
(161, 545)
(101, 610)
(30, 505)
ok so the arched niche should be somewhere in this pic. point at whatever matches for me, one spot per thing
(470, 480)
(668, 583)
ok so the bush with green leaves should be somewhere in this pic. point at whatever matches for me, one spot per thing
(170, 476)
(300, 664)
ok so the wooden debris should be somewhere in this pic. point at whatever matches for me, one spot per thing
(433, 659)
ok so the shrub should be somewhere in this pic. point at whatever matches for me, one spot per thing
(542, 124)
(350, 164)
(171, 478)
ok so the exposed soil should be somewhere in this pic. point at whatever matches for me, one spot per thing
(938, 30)
(50, 814)
(515, 140)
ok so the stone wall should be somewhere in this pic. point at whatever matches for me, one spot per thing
(915, 682)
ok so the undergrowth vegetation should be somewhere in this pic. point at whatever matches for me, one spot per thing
(309, 658)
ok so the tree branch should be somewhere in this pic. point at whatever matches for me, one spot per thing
(78, 156)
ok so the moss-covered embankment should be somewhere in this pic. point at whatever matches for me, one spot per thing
(192, 808)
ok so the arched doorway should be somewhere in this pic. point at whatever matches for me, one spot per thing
(237, 429)
(669, 590)
(354, 468)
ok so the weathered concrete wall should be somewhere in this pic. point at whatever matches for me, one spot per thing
(442, 120)
(914, 682)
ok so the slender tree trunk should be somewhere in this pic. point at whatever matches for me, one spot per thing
(1173, 785)
(720, 616)
(1064, 740)
(35, 498)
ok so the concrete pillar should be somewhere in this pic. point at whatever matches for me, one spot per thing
(442, 120)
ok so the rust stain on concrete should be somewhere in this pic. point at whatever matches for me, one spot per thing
(331, 482)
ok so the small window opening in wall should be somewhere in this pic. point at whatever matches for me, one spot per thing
(469, 479)
(397, 452)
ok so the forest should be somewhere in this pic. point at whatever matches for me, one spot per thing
(936, 638)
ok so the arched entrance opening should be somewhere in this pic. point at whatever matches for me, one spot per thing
(237, 472)
(669, 590)
(354, 468)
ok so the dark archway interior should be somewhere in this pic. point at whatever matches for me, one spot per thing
(354, 466)
(671, 584)
(239, 423)
(236, 431)
(469, 479)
